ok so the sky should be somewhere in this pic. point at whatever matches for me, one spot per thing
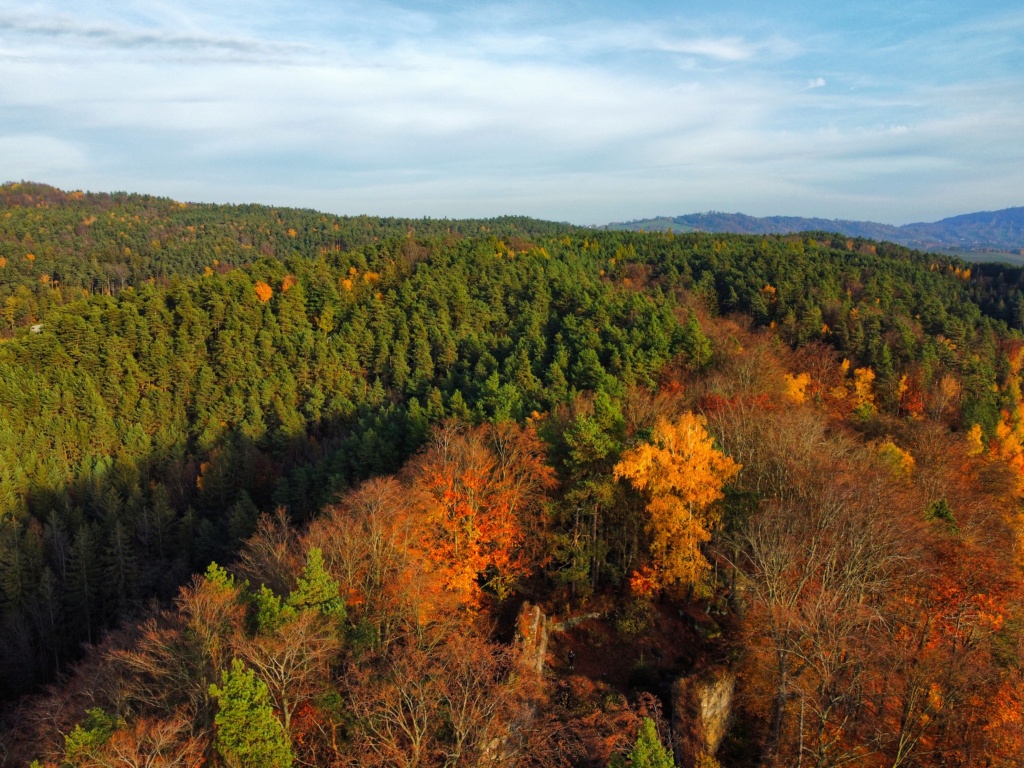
(588, 112)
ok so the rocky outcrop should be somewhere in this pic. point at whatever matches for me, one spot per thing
(533, 630)
(702, 711)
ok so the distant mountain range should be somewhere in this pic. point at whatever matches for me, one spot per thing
(986, 231)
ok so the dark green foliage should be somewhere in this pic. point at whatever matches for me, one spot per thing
(147, 430)
(939, 512)
(696, 345)
(162, 406)
(586, 447)
(102, 243)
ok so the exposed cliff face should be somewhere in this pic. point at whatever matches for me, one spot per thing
(533, 630)
(702, 709)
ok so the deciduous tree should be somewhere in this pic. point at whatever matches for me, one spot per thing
(682, 474)
(481, 492)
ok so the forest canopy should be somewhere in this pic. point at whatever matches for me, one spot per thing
(268, 476)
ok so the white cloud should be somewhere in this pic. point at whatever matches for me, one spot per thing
(588, 120)
(724, 49)
(63, 29)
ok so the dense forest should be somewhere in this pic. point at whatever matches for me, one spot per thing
(283, 488)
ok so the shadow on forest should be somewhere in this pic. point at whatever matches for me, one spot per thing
(86, 555)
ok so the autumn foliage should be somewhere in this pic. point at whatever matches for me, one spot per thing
(877, 579)
(819, 502)
(372, 614)
(479, 494)
(264, 291)
(682, 474)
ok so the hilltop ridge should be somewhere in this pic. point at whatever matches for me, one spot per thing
(983, 231)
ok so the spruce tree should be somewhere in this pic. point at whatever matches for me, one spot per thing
(696, 345)
(248, 733)
(317, 590)
(648, 751)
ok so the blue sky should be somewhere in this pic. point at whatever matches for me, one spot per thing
(580, 111)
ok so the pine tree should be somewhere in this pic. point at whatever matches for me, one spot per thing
(696, 345)
(648, 751)
(119, 569)
(248, 733)
(317, 589)
(89, 735)
(83, 581)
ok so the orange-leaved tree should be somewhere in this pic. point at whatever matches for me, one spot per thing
(682, 474)
(264, 291)
(481, 491)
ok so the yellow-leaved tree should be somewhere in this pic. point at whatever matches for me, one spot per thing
(682, 475)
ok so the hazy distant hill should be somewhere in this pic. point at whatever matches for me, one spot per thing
(984, 231)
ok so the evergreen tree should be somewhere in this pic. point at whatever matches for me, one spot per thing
(648, 751)
(248, 733)
(88, 736)
(696, 345)
(317, 589)
(83, 582)
(119, 569)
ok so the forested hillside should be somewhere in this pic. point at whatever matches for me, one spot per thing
(100, 243)
(1001, 231)
(794, 461)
